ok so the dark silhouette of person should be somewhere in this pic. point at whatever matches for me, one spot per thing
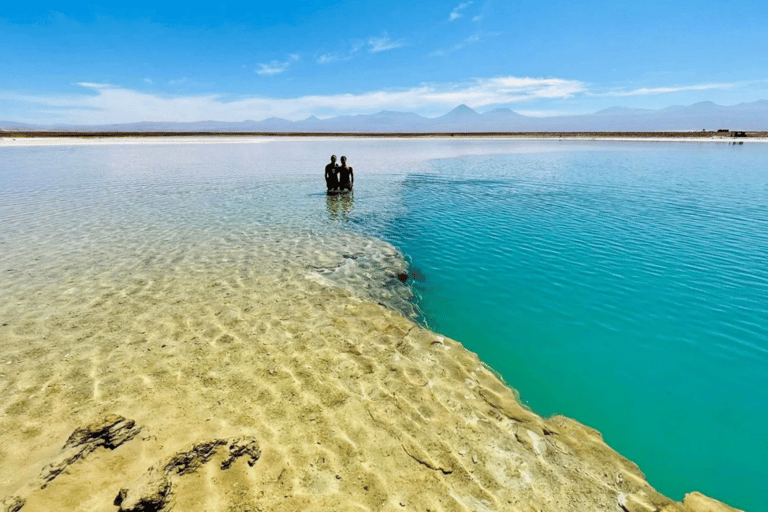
(331, 178)
(346, 176)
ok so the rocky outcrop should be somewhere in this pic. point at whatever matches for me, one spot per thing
(11, 504)
(109, 432)
(153, 491)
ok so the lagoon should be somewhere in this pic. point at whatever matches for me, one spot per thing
(623, 284)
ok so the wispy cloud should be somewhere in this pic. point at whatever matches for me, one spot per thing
(272, 68)
(665, 90)
(276, 67)
(94, 85)
(384, 43)
(374, 45)
(356, 46)
(327, 58)
(475, 38)
(456, 13)
(105, 104)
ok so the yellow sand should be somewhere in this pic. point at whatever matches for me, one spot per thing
(353, 406)
(211, 346)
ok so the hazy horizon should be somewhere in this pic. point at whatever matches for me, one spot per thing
(705, 116)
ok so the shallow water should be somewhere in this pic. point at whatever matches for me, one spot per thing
(622, 284)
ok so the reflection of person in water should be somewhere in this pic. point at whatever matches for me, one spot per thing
(331, 179)
(346, 176)
(339, 206)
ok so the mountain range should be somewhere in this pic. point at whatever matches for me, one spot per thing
(707, 116)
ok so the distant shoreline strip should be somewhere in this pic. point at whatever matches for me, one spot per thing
(526, 135)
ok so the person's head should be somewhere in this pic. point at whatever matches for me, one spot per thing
(343, 159)
(333, 158)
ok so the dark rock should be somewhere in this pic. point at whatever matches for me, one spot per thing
(151, 494)
(11, 504)
(109, 432)
(241, 447)
(153, 491)
(183, 463)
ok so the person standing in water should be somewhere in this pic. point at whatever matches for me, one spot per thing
(331, 179)
(346, 176)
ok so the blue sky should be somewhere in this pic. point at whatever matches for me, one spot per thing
(96, 63)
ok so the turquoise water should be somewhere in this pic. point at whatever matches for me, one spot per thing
(624, 284)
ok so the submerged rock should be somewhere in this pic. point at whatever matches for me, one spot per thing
(153, 491)
(11, 504)
(108, 432)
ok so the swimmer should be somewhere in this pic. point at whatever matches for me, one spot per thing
(346, 176)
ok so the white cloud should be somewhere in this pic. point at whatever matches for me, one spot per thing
(664, 90)
(374, 45)
(105, 104)
(276, 67)
(148, 81)
(477, 18)
(380, 44)
(355, 46)
(326, 58)
(456, 12)
(273, 68)
(92, 85)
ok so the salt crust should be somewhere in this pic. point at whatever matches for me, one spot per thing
(73, 141)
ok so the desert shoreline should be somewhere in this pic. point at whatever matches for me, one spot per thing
(11, 139)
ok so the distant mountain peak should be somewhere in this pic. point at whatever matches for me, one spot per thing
(461, 111)
(752, 116)
(758, 105)
(502, 112)
(394, 113)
